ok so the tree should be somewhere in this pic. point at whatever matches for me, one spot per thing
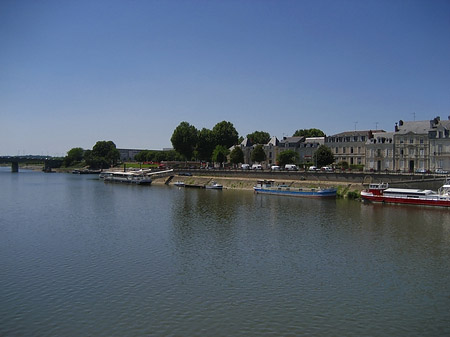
(220, 154)
(237, 155)
(184, 139)
(205, 144)
(259, 137)
(103, 155)
(74, 155)
(309, 133)
(323, 156)
(258, 155)
(225, 134)
(287, 157)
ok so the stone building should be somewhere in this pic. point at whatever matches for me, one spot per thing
(349, 146)
(439, 138)
(412, 146)
(380, 152)
(305, 147)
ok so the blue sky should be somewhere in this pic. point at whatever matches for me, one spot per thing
(75, 72)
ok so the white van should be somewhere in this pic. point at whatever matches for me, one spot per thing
(256, 167)
(245, 166)
(290, 167)
(275, 168)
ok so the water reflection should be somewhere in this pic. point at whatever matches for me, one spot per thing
(81, 257)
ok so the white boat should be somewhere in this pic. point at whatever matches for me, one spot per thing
(179, 183)
(383, 193)
(137, 177)
(214, 186)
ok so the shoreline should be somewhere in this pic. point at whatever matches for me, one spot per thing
(236, 183)
(239, 183)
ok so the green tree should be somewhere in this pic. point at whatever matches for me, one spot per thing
(309, 133)
(258, 155)
(259, 137)
(184, 139)
(225, 134)
(323, 156)
(103, 155)
(343, 165)
(287, 157)
(74, 155)
(237, 155)
(205, 144)
(142, 156)
(220, 154)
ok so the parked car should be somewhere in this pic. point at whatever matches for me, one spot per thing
(327, 169)
(256, 167)
(422, 170)
(313, 168)
(291, 167)
(245, 166)
(275, 168)
(440, 171)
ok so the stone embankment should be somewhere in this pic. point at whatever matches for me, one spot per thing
(239, 183)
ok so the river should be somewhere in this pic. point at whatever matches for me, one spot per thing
(79, 257)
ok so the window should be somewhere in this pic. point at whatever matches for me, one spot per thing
(343, 150)
(337, 150)
(351, 150)
(411, 141)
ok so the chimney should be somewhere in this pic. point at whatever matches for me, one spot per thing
(396, 127)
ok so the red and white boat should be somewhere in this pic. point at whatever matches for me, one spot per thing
(382, 193)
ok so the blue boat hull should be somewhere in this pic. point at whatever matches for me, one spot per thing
(296, 192)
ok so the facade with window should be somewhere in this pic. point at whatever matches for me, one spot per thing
(380, 152)
(349, 146)
(411, 145)
(439, 138)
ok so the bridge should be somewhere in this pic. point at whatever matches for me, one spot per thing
(48, 162)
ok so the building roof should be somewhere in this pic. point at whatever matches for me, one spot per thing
(416, 127)
(246, 142)
(273, 141)
(292, 139)
(354, 133)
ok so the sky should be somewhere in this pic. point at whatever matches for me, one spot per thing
(76, 72)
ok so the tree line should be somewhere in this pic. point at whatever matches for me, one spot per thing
(189, 143)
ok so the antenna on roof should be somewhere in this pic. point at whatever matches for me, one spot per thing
(355, 124)
(414, 116)
(376, 126)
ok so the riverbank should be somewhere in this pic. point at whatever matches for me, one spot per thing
(235, 183)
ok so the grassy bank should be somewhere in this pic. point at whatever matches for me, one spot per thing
(345, 190)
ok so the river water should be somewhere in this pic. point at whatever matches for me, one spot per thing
(82, 258)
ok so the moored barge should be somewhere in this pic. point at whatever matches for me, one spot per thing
(269, 187)
(383, 193)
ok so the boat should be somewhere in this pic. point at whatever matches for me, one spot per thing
(179, 183)
(214, 186)
(137, 177)
(269, 187)
(381, 192)
(86, 171)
